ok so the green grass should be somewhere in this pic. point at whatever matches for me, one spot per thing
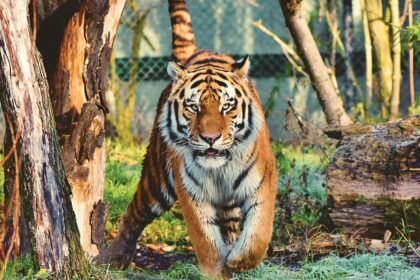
(302, 191)
(365, 266)
(302, 197)
(121, 178)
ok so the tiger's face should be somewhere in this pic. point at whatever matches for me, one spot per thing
(209, 114)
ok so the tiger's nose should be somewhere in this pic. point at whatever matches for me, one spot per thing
(210, 138)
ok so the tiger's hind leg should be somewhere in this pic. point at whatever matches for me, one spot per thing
(149, 202)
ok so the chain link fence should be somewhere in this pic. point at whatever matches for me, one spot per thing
(226, 26)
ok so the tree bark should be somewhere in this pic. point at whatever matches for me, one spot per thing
(374, 176)
(348, 40)
(331, 103)
(379, 32)
(77, 60)
(396, 58)
(45, 191)
(368, 59)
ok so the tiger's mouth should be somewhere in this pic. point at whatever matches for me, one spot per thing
(212, 153)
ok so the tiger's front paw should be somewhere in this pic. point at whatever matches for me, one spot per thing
(240, 261)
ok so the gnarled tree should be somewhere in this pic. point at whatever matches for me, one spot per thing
(75, 40)
(41, 181)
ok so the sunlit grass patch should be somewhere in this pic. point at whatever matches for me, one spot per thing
(365, 266)
(122, 176)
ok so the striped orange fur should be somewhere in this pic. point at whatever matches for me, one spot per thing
(183, 39)
(210, 150)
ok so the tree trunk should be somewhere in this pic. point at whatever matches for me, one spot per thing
(379, 32)
(368, 59)
(331, 103)
(374, 176)
(122, 118)
(348, 40)
(396, 58)
(44, 189)
(77, 60)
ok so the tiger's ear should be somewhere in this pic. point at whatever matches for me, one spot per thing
(175, 70)
(241, 67)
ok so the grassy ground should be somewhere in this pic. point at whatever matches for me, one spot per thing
(300, 228)
(299, 225)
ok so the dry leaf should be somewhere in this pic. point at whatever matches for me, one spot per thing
(387, 235)
(377, 245)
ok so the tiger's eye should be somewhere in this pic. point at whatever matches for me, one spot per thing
(194, 108)
(225, 106)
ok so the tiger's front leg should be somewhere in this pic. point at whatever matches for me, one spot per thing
(253, 241)
(205, 235)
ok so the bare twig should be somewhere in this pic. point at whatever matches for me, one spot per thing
(408, 242)
(14, 201)
(290, 54)
(407, 3)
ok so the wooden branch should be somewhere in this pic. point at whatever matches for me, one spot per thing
(290, 53)
(331, 103)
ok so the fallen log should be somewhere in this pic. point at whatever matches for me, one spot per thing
(373, 179)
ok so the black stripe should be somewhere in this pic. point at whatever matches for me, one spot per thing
(243, 175)
(178, 38)
(249, 209)
(220, 83)
(146, 207)
(196, 84)
(262, 179)
(213, 221)
(195, 76)
(230, 219)
(201, 68)
(180, 20)
(242, 124)
(238, 93)
(169, 186)
(181, 128)
(182, 93)
(250, 123)
(154, 184)
(197, 53)
(172, 134)
(221, 76)
(209, 60)
(229, 207)
(163, 161)
(191, 176)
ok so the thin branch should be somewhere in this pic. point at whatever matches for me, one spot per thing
(341, 49)
(290, 54)
(407, 3)
(14, 201)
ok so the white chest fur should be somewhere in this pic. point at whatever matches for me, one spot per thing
(235, 181)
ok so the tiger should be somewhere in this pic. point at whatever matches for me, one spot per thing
(209, 150)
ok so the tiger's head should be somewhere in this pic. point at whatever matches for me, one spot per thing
(212, 112)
